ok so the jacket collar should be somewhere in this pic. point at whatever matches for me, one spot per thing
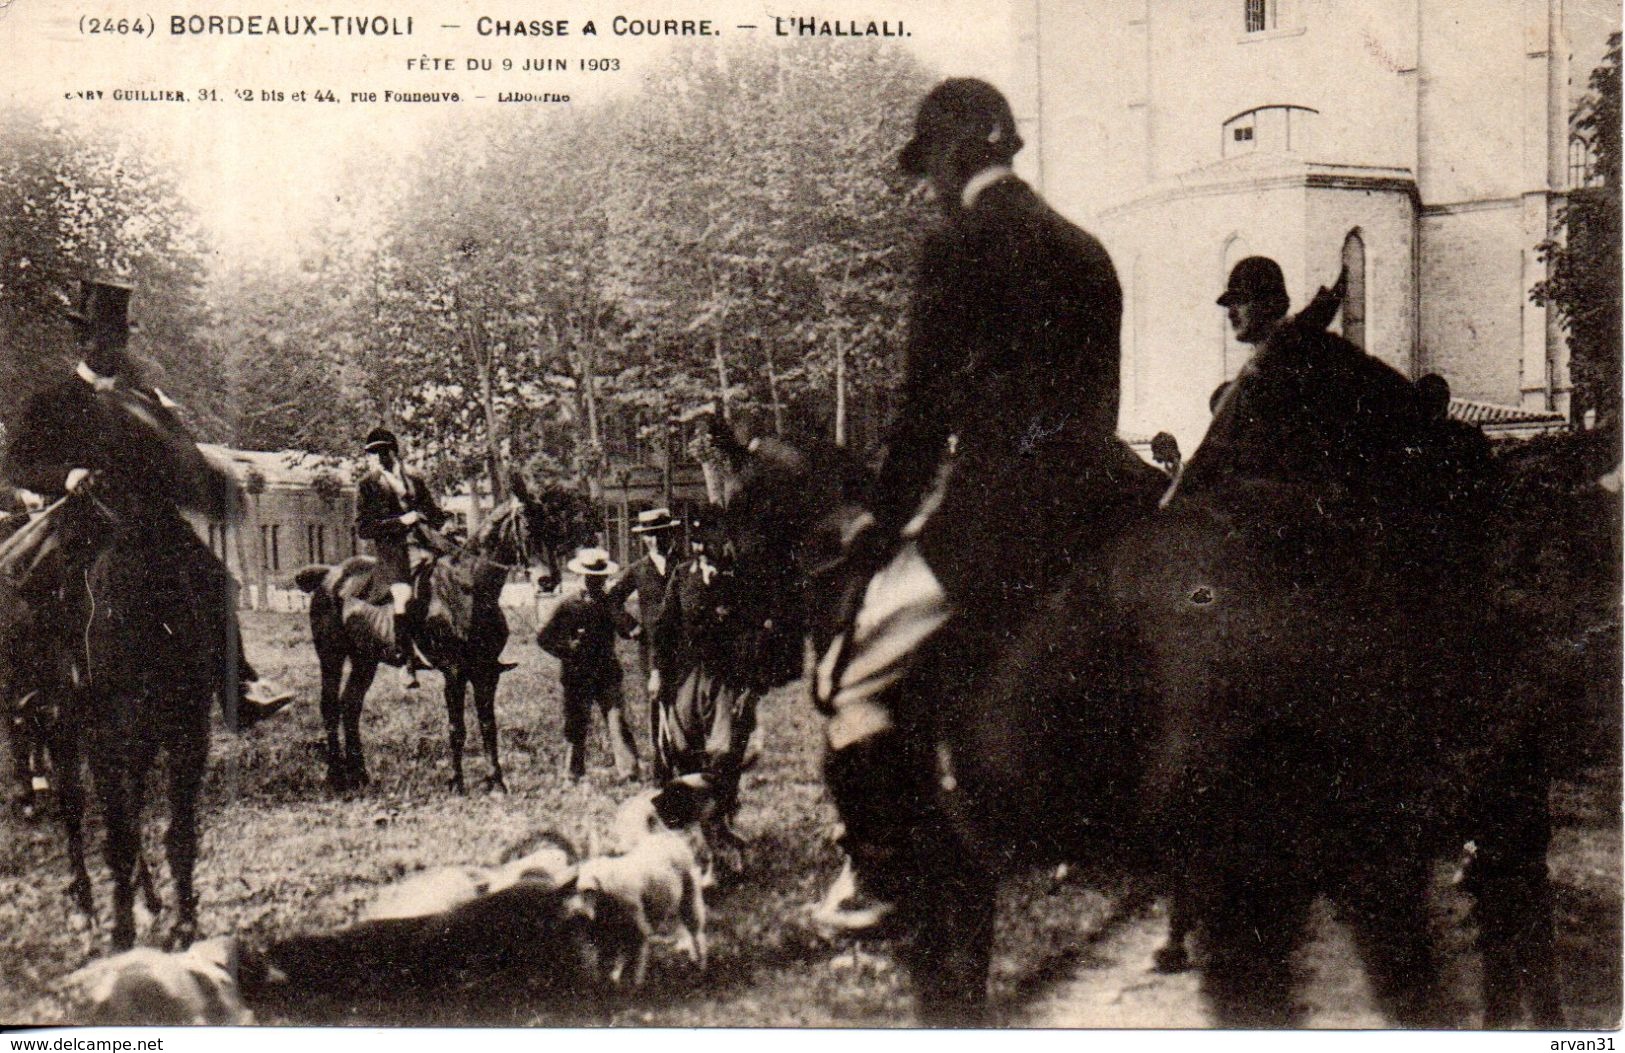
(981, 181)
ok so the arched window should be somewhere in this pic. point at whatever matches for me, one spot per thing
(1272, 128)
(1582, 162)
(1354, 297)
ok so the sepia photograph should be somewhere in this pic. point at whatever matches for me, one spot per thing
(882, 514)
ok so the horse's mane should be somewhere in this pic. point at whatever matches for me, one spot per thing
(503, 532)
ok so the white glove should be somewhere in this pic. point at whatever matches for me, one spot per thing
(77, 478)
(654, 681)
(411, 518)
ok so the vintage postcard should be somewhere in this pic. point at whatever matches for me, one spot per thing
(1036, 514)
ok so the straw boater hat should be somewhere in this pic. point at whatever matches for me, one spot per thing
(592, 562)
(652, 520)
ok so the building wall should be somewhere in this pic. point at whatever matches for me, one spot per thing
(1472, 276)
(1468, 102)
(286, 515)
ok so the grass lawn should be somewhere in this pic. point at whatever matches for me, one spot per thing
(283, 855)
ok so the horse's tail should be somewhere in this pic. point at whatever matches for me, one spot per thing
(310, 578)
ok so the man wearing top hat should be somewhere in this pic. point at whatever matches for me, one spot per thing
(648, 578)
(1001, 467)
(581, 635)
(396, 511)
(102, 429)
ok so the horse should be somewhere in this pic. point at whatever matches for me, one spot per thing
(1179, 709)
(132, 652)
(462, 633)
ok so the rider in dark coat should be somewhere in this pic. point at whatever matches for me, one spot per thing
(581, 635)
(1315, 438)
(396, 511)
(102, 432)
(1001, 470)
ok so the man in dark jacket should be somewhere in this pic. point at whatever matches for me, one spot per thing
(1315, 440)
(396, 511)
(103, 431)
(1002, 467)
(649, 578)
(581, 635)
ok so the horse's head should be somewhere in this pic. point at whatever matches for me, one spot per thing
(528, 528)
(783, 528)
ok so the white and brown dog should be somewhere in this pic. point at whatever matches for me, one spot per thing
(629, 898)
(152, 987)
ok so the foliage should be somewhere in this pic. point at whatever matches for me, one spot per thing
(79, 202)
(1584, 263)
(327, 486)
(543, 285)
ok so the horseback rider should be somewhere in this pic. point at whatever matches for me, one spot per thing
(581, 635)
(104, 433)
(1313, 432)
(1000, 469)
(649, 578)
(396, 511)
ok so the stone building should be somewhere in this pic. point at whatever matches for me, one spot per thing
(1424, 144)
(299, 509)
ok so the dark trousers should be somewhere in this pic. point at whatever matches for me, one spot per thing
(580, 696)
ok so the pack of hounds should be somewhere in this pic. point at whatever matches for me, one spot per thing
(590, 920)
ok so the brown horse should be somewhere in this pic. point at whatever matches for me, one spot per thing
(462, 632)
(1191, 709)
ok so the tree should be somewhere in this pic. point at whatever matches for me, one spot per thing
(75, 203)
(1583, 260)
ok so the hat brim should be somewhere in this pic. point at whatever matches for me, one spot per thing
(590, 572)
(655, 528)
(380, 444)
(1230, 298)
(83, 322)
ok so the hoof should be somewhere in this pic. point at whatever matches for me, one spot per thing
(1171, 959)
(495, 785)
(181, 937)
(456, 785)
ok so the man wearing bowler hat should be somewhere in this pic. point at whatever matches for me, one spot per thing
(396, 511)
(1001, 467)
(581, 635)
(648, 578)
(1312, 431)
(102, 429)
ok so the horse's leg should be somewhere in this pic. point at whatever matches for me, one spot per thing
(1173, 957)
(355, 693)
(332, 712)
(1386, 904)
(71, 803)
(456, 698)
(955, 901)
(188, 759)
(1511, 884)
(1252, 925)
(485, 708)
(119, 780)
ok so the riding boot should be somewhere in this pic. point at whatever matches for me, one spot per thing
(881, 812)
(402, 655)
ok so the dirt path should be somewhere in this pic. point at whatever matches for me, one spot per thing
(1116, 987)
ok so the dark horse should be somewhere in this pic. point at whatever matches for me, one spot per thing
(133, 650)
(462, 632)
(1188, 709)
